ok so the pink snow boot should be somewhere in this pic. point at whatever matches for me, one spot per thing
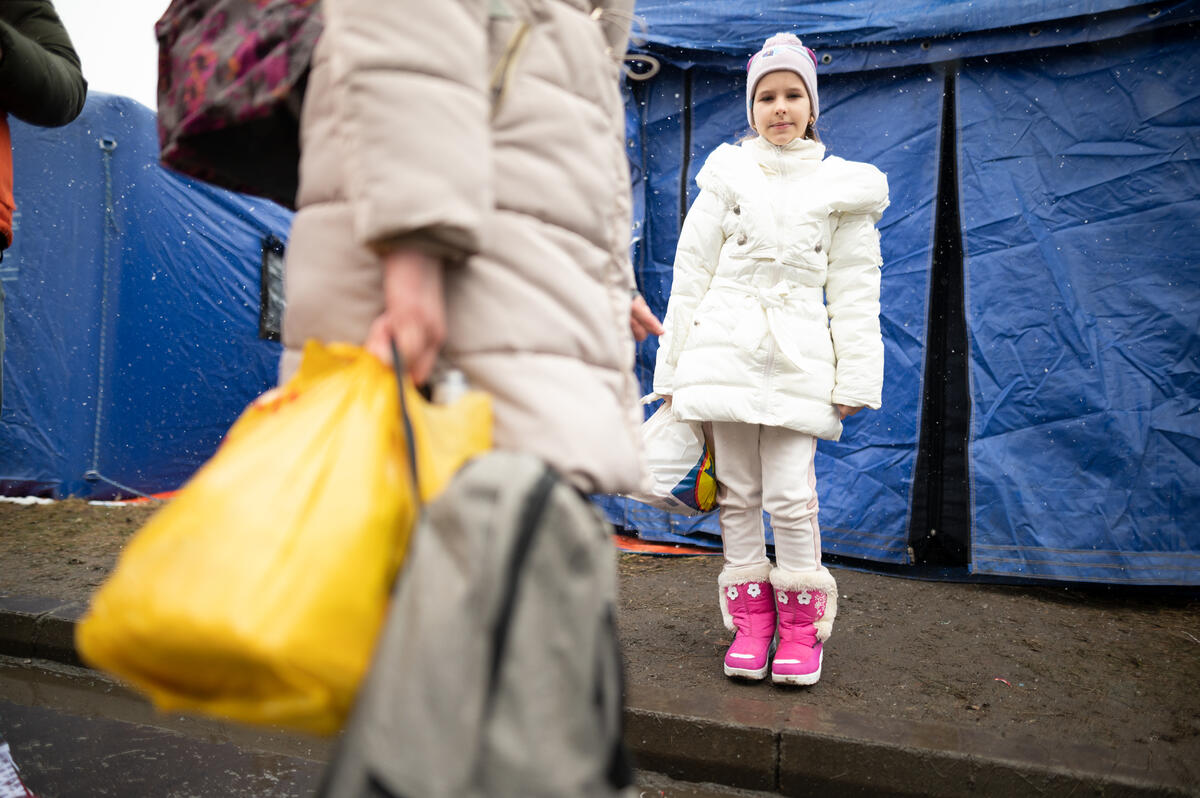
(749, 609)
(807, 604)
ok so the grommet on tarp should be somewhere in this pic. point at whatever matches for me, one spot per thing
(108, 145)
(640, 66)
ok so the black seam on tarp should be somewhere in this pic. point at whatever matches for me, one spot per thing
(939, 531)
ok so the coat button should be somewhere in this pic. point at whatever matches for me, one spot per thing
(742, 238)
(818, 247)
(737, 210)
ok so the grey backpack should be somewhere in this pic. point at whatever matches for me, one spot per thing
(498, 671)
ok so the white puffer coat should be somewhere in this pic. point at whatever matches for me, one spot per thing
(491, 134)
(774, 309)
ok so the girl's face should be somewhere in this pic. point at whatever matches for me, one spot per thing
(782, 111)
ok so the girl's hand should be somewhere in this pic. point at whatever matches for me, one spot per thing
(845, 411)
(414, 314)
(642, 320)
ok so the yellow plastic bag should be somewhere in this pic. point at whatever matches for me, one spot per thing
(257, 592)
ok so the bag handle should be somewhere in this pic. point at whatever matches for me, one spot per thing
(406, 420)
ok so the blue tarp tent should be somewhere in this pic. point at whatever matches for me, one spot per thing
(135, 320)
(1041, 288)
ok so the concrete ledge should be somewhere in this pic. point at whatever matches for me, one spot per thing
(729, 740)
(56, 634)
(695, 750)
(39, 627)
(18, 623)
(753, 744)
(815, 764)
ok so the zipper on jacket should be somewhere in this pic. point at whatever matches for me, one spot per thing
(772, 346)
(502, 74)
(782, 170)
(768, 367)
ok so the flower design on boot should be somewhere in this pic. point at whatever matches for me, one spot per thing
(749, 610)
(804, 598)
(781, 597)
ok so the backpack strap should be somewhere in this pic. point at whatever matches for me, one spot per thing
(618, 769)
(531, 515)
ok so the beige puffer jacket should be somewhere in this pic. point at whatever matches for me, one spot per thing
(774, 309)
(491, 133)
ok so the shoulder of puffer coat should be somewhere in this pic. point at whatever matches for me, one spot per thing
(722, 170)
(855, 187)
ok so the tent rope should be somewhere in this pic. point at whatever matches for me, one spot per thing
(95, 476)
(107, 146)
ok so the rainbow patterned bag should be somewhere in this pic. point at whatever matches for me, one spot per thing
(683, 475)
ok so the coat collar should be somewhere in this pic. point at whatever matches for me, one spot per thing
(768, 155)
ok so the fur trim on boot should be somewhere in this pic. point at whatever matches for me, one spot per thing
(739, 575)
(820, 579)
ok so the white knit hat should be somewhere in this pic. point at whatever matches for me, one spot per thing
(781, 52)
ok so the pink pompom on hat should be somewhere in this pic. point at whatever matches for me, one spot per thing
(783, 51)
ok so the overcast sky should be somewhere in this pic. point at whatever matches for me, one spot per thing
(116, 44)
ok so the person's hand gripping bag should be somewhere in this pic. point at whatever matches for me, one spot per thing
(682, 470)
(257, 593)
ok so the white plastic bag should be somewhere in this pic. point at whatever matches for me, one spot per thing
(682, 471)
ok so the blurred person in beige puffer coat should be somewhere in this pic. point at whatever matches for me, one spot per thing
(464, 191)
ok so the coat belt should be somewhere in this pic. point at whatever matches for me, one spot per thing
(774, 301)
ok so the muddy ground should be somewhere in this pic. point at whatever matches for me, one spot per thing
(1110, 667)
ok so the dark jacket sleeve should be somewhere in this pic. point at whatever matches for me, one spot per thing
(41, 81)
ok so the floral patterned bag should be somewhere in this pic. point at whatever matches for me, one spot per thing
(231, 78)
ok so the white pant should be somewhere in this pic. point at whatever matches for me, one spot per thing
(767, 468)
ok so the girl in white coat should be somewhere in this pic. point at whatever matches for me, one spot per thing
(772, 334)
